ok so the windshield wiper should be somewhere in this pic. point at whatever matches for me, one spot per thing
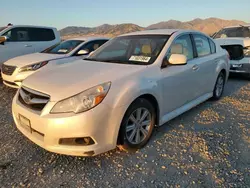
(90, 59)
(114, 61)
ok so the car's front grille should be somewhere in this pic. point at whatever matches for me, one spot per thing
(33, 99)
(8, 70)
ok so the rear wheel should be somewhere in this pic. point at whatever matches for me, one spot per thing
(219, 86)
(137, 125)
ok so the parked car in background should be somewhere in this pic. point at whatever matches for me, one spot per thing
(17, 40)
(236, 40)
(120, 92)
(15, 70)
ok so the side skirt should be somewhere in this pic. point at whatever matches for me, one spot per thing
(184, 108)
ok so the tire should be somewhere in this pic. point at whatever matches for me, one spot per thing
(219, 86)
(137, 125)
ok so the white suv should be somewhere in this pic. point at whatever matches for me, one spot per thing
(15, 70)
(236, 40)
(120, 92)
(22, 39)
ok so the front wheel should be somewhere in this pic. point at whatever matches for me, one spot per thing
(219, 86)
(137, 125)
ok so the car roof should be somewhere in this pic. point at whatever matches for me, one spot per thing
(160, 32)
(153, 32)
(246, 25)
(88, 38)
(46, 27)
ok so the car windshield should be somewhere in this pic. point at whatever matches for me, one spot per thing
(137, 49)
(233, 32)
(63, 48)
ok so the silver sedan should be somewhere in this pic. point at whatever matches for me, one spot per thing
(120, 92)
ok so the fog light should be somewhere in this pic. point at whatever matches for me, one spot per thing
(80, 141)
(83, 141)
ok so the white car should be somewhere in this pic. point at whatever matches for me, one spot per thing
(236, 40)
(120, 92)
(17, 40)
(15, 70)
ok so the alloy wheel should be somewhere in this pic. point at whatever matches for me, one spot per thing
(138, 125)
(219, 86)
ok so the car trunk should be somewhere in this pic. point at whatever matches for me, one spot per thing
(235, 51)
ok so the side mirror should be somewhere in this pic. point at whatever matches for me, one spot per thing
(178, 59)
(3, 39)
(175, 59)
(91, 53)
(83, 52)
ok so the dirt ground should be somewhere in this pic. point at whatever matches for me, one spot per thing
(208, 146)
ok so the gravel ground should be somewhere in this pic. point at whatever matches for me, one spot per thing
(208, 146)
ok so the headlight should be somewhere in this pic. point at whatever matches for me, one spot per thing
(83, 101)
(247, 51)
(33, 67)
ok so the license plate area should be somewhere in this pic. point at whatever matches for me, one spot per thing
(237, 65)
(25, 123)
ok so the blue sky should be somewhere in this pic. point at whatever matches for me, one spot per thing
(61, 13)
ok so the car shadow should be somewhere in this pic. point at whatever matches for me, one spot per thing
(239, 81)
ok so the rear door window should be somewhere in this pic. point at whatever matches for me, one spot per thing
(41, 34)
(202, 45)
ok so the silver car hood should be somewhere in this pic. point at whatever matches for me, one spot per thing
(69, 79)
(30, 59)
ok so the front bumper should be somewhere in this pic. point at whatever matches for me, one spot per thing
(15, 80)
(101, 124)
(242, 66)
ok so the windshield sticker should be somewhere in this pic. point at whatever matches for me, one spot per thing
(140, 58)
(62, 50)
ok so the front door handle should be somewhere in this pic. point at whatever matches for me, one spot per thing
(28, 45)
(195, 67)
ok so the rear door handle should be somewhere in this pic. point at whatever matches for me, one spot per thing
(28, 45)
(195, 67)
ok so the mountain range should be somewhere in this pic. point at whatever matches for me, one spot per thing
(208, 26)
